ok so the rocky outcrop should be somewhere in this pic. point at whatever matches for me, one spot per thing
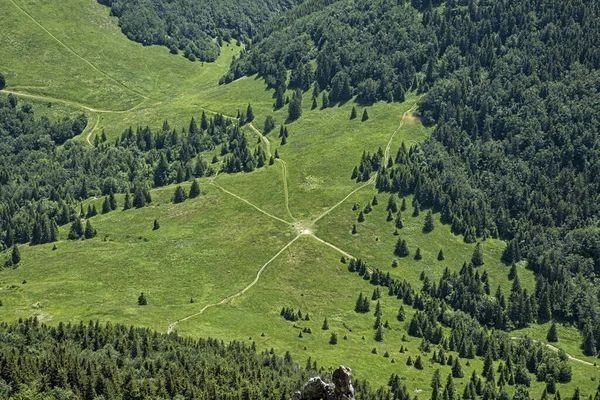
(317, 389)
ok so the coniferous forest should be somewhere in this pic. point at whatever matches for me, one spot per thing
(508, 95)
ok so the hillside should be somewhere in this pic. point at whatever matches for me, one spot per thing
(415, 233)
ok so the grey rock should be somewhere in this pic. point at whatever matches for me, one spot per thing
(317, 389)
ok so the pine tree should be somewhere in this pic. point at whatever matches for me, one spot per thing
(105, 206)
(377, 312)
(89, 232)
(403, 205)
(552, 335)
(361, 217)
(156, 225)
(16, 255)
(333, 338)
(392, 206)
(589, 343)
(179, 196)
(365, 116)
(374, 202)
(401, 248)
(112, 201)
(203, 121)
(76, 230)
(398, 222)
(269, 124)
(401, 317)
(354, 229)
(419, 363)
(477, 258)
(127, 202)
(353, 113)
(142, 300)
(440, 256)
(324, 100)
(457, 369)
(513, 272)
(379, 334)
(314, 104)
(325, 324)
(428, 227)
(416, 208)
(194, 189)
(418, 254)
(295, 106)
(249, 114)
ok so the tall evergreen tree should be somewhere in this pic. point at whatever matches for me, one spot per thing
(179, 196)
(194, 189)
(325, 324)
(401, 248)
(89, 232)
(552, 335)
(477, 258)
(353, 113)
(249, 113)
(76, 230)
(127, 202)
(365, 116)
(15, 255)
(156, 225)
(428, 227)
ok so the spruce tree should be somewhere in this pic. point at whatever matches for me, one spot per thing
(361, 217)
(477, 258)
(401, 249)
(105, 206)
(440, 256)
(588, 344)
(295, 106)
(552, 335)
(76, 230)
(269, 124)
(194, 189)
(249, 114)
(156, 225)
(365, 116)
(325, 100)
(179, 196)
(457, 369)
(112, 201)
(314, 104)
(513, 271)
(89, 232)
(325, 324)
(416, 208)
(419, 363)
(142, 300)
(16, 255)
(428, 227)
(418, 256)
(353, 113)
(379, 334)
(403, 205)
(401, 317)
(333, 338)
(392, 206)
(354, 229)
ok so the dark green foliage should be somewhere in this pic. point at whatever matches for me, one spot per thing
(361, 217)
(552, 335)
(419, 363)
(76, 230)
(324, 100)
(295, 106)
(354, 231)
(457, 369)
(194, 189)
(416, 208)
(2, 81)
(353, 113)
(249, 113)
(142, 300)
(179, 196)
(379, 334)
(401, 249)
(325, 325)
(428, 227)
(106, 205)
(156, 225)
(15, 256)
(440, 256)
(362, 303)
(290, 315)
(477, 258)
(333, 338)
(392, 206)
(269, 124)
(191, 26)
(89, 232)
(365, 116)
(73, 355)
(418, 256)
(400, 316)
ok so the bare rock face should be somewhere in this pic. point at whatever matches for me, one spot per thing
(317, 389)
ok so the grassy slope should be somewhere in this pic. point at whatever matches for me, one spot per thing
(188, 257)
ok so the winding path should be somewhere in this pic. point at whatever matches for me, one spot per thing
(76, 54)
(241, 292)
(556, 350)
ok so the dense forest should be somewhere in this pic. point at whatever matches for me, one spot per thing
(195, 28)
(95, 361)
(43, 175)
(513, 90)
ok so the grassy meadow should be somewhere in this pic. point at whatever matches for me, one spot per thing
(212, 247)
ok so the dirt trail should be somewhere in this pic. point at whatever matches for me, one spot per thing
(241, 292)
(76, 54)
(402, 120)
(89, 135)
(263, 138)
(556, 350)
(250, 204)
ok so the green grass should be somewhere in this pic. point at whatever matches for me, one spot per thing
(212, 247)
